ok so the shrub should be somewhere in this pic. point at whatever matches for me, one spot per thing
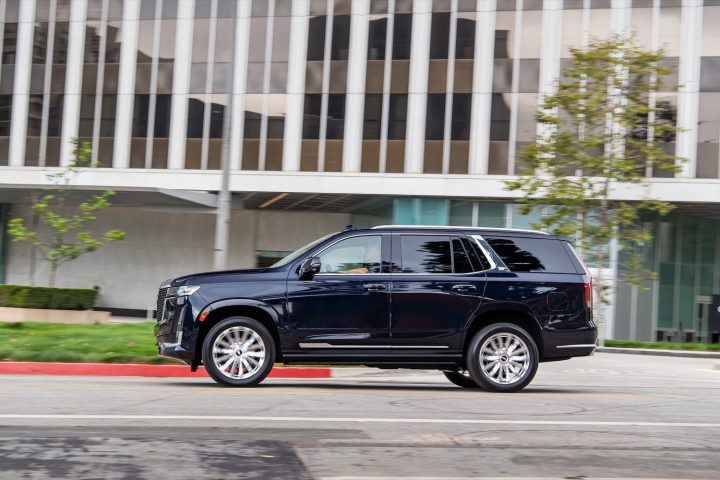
(45, 297)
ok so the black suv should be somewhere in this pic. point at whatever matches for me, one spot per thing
(482, 305)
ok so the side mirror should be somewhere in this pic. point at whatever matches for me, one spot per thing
(309, 267)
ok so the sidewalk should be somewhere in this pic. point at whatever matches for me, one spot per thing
(659, 352)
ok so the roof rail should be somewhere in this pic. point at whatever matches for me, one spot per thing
(457, 227)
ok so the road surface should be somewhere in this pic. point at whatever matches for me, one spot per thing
(606, 416)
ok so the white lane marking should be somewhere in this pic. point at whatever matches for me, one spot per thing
(489, 478)
(472, 421)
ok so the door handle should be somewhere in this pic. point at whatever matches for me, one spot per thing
(464, 288)
(374, 287)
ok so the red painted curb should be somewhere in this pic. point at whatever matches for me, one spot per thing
(137, 370)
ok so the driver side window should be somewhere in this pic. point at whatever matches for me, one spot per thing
(353, 255)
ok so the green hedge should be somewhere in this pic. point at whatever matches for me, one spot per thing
(45, 297)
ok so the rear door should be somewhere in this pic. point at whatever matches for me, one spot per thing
(435, 289)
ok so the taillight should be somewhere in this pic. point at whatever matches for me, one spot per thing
(587, 291)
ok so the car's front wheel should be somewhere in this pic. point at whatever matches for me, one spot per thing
(502, 357)
(238, 352)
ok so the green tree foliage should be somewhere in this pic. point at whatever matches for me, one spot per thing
(600, 131)
(64, 235)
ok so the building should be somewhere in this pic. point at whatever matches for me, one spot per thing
(364, 112)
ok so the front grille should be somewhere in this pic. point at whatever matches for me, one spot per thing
(162, 294)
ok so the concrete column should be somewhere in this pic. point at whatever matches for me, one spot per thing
(126, 84)
(355, 98)
(240, 61)
(73, 79)
(689, 91)
(549, 56)
(181, 83)
(21, 89)
(297, 64)
(482, 87)
(417, 86)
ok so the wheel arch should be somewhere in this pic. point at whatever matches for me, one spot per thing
(219, 311)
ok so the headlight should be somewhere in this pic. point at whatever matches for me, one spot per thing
(184, 291)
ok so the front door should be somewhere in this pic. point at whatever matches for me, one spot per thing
(344, 309)
(434, 292)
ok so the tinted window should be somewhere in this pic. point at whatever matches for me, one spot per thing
(477, 258)
(352, 255)
(425, 254)
(532, 254)
(461, 262)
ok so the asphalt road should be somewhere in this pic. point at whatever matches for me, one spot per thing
(607, 416)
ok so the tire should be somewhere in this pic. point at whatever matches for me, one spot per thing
(491, 367)
(460, 378)
(238, 352)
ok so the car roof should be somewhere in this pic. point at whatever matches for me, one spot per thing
(467, 230)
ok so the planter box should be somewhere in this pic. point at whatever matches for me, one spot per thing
(42, 315)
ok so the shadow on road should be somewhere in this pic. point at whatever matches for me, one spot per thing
(379, 385)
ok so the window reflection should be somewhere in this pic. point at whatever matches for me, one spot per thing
(439, 35)
(500, 117)
(425, 254)
(435, 118)
(377, 32)
(465, 36)
(402, 32)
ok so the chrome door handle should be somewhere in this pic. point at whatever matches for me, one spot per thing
(464, 288)
(374, 287)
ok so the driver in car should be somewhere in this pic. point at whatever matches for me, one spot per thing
(371, 261)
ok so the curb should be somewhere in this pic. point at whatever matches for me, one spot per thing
(659, 353)
(139, 370)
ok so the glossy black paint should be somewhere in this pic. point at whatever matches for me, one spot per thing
(388, 319)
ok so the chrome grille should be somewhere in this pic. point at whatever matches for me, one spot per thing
(162, 294)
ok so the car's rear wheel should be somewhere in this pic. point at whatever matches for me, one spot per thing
(461, 378)
(238, 352)
(502, 357)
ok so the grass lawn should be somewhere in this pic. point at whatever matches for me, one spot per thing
(715, 347)
(101, 343)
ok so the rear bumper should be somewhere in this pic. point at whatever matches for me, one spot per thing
(565, 344)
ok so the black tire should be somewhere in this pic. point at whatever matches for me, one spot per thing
(460, 379)
(509, 334)
(235, 326)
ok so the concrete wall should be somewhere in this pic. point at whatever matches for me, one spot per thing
(164, 243)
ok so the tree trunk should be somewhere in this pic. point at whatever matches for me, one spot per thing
(52, 274)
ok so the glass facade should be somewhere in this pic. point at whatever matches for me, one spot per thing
(389, 51)
(676, 306)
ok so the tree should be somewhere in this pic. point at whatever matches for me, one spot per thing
(600, 130)
(65, 236)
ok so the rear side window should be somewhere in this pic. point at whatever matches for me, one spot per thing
(425, 254)
(532, 254)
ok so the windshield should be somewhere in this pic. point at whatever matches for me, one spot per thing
(300, 252)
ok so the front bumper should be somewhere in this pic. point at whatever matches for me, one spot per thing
(174, 328)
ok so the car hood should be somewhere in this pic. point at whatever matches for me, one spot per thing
(213, 277)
